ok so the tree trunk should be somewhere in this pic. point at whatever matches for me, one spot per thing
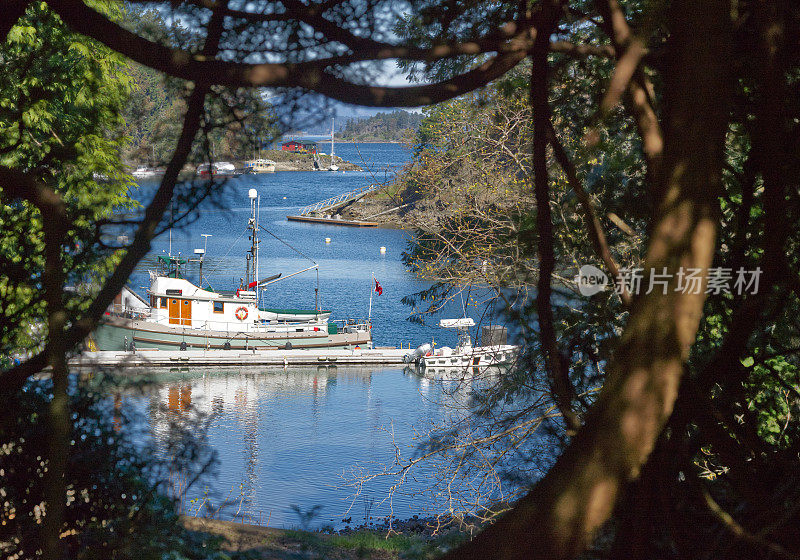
(54, 490)
(561, 514)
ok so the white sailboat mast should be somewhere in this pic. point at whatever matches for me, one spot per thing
(371, 289)
(255, 206)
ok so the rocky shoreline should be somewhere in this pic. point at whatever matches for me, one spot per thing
(292, 161)
(378, 207)
(284, 161)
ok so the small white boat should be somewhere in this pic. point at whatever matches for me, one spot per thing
(144, 172)
(217, 168)
(259, 166)
(464, 355)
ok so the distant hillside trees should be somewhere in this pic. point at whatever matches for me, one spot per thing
(396, 126)
(154, 114)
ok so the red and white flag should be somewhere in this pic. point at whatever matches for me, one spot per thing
(378, 288)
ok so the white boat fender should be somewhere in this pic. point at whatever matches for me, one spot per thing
(420, 351)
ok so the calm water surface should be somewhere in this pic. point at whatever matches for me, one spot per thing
(288, 437)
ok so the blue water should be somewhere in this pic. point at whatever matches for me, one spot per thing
(287, 437)
(300, 437)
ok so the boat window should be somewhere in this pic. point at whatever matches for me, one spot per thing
(174, 302)
(163, 302)
(186, 302)
(218, 306)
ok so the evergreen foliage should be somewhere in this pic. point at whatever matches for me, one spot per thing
(396, 126)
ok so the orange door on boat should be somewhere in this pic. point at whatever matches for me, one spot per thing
(174, 307)
(186, 313)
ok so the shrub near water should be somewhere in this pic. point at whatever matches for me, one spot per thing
(115, 507)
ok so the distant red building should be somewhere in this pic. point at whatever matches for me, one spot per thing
(300, 147)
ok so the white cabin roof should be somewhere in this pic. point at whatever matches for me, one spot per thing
(457, 323)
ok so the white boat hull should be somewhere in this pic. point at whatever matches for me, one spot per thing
(481, 356)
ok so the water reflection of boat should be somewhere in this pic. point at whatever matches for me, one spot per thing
(216, 390)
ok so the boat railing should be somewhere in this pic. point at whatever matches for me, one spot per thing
(349, 325)
(119, 310)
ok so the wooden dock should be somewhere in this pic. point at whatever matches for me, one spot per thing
(332, 221)
(146, 358)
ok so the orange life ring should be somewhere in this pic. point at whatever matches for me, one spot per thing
(241, 313)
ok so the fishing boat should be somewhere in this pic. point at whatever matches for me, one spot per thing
(183, 315)
(259, 165)
(494, 352)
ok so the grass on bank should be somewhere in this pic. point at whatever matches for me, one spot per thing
(369, 544)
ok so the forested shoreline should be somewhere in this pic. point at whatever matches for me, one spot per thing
(396, 126)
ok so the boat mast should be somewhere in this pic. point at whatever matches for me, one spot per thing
(371, 289)
(251, 273)
(171, 216)
(333, 126)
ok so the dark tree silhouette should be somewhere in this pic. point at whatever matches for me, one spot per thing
(677, 73)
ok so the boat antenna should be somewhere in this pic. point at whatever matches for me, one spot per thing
(253, 226)
(171, 217)
(288, 245)
(316, 290)
(203, 255)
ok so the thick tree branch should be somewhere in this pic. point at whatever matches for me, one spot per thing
(54, 222)
(310, 75)
(739, 532)
(556, 364)
(594, 227)
(639, 88)
(511, 46)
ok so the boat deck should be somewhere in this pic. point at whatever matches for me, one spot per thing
(295, 357)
